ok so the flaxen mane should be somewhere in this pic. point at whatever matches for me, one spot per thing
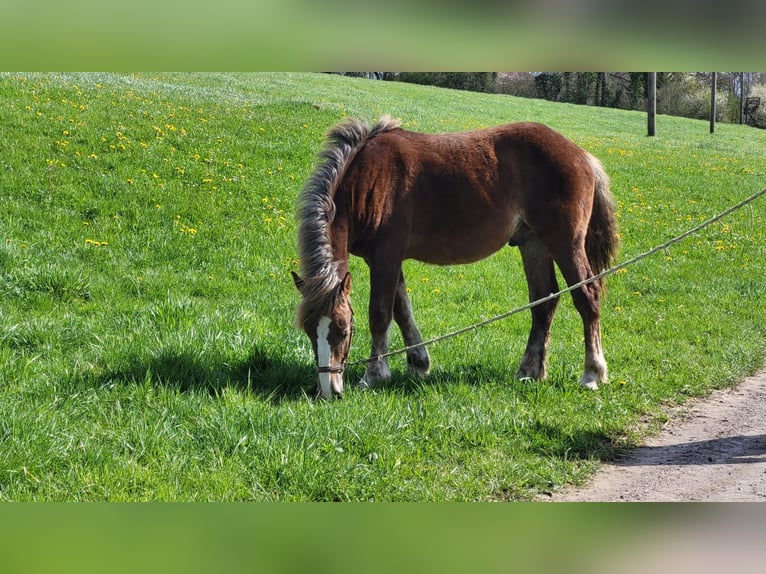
(316, 210)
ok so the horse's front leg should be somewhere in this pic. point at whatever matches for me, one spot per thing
(418, 360)
(384, 277)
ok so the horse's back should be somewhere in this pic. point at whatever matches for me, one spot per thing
(460, 197)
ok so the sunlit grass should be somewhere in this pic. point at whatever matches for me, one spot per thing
(147, 346)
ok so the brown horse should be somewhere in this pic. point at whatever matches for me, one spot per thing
(387, 194)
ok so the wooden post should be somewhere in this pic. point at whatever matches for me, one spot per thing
(741, 98)
(651, 104)
(713, 90)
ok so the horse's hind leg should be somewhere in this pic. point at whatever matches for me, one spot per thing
(575, 268)
(541, 281)
(418, 361)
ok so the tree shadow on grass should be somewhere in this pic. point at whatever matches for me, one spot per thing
(574, 445)
(261, 372)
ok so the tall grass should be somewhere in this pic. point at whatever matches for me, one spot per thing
(147, 346)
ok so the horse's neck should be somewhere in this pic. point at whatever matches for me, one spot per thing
(339, 234)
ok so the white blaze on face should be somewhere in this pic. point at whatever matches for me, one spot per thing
(324, 355)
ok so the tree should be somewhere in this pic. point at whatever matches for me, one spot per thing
(472, 81)
(549, 85)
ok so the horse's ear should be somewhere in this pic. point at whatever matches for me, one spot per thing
(346, 284)
(297, 280)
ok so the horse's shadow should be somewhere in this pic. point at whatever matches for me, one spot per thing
(261, 372)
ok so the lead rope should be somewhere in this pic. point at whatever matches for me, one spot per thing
(592, 279)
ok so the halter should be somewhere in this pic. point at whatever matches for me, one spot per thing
(332, 370)
(340, 368)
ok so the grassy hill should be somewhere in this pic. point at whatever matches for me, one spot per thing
(147, 346)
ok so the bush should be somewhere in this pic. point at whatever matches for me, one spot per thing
(759, 91)
(516, 84)
(687, 97)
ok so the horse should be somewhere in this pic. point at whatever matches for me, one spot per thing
(387, 194)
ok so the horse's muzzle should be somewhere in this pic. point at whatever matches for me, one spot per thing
(330, 381)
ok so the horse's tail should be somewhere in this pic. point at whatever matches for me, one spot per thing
(602, 239)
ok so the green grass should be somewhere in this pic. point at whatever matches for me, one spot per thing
(147, 346)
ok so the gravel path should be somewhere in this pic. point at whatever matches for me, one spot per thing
(712, 450)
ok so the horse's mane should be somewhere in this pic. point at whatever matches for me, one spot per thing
(316, 210)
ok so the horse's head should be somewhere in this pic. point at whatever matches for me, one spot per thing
(330, 327)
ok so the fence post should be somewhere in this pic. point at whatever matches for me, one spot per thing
(713, 90)
(651, 103)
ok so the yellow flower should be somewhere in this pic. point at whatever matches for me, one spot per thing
(96, 243)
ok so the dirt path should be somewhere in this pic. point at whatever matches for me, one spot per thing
(712, 450)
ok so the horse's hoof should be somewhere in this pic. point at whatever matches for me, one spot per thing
(589, 381)
(531, 375)
(414, 371)
(363, 384)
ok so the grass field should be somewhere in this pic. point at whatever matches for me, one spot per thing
(147, 346)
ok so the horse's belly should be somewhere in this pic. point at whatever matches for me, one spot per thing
(460, 244)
